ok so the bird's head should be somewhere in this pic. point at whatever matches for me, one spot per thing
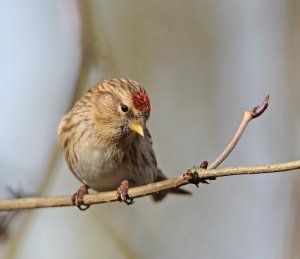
(122, 108)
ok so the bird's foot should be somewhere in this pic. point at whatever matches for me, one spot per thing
(77, 198)
(122, 193)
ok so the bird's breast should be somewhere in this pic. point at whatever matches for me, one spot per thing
(103, 168)
(96, 161)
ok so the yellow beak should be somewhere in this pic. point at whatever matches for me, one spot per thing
(137, 127)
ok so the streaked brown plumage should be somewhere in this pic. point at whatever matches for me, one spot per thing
(105, 139)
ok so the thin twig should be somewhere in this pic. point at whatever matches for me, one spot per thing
(6, 219)
(193, 175)
(5, 222)
(248, 116)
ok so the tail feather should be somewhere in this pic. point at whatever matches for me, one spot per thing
(160, 195)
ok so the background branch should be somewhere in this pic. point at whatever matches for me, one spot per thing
(194, 175)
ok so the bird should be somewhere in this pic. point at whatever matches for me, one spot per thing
(106, 142)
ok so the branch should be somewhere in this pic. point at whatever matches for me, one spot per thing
(194, 175)
(248, 116)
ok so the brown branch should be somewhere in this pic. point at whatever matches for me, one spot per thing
(248, 116)
(192, 176)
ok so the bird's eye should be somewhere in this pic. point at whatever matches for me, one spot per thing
(124, 108)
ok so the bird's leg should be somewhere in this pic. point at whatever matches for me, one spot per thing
(122, 193)
(77, 198)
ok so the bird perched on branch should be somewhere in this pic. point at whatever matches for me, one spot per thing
(106, 143)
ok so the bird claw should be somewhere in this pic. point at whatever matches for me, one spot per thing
(77, 198)
(122, 193)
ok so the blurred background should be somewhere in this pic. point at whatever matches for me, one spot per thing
(203, 63)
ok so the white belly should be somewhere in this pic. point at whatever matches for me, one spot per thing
(104, 170)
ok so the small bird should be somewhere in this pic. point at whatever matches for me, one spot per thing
(106, 143)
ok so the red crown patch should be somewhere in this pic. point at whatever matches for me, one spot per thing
(141, 101)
